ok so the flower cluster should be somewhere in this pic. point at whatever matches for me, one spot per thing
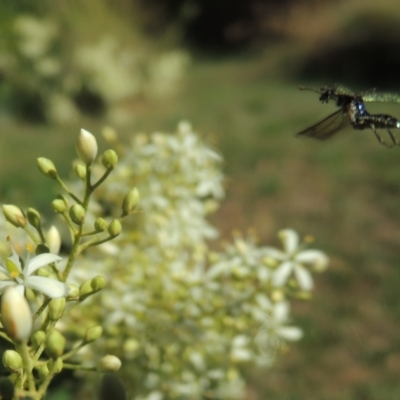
(188, 317)
(36, 290)
(182, 318)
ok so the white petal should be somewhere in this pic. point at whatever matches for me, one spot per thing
(240, 355)
(40, 261)
(263, 301)
(281, 274)
(281, 311)
(5, 271)
(274, 253)
(217, 269)
(317, 259)
(240, 341)
(290, 333)
(303, 277)
(48, 286)
(290, 240)
(6, 283)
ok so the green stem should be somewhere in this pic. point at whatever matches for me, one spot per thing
(64, 186)
(78, 234)
(102, 179)
(47, 380)
(90, 243)
(22, 349)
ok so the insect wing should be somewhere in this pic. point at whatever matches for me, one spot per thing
(328, 126)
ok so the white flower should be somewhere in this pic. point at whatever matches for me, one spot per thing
(23, 277)
(275, 331)
(293, 260)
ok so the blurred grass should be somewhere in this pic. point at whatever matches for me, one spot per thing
(344, 192)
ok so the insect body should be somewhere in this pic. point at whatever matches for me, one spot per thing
(352, 112)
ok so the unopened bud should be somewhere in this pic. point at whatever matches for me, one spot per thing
(73, 291)
(53, 240)
(98, 283)
(56, 308)
(38, 338)
(109, 363)
(130, 202)
(55, 344)
(55, 365)
(86, 147)
(42, 370)
(43, 272)
(34, 218)
(12, 360)
(85, 289)
(14, 215)
(47, 167)
(58, 206)
(77, 214)
(109, 159)
(16, 315)
(93, 334)
(80, 170)
(114, 229)
(100, 225)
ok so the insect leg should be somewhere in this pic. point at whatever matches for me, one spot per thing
(394, 140)
(380, 140)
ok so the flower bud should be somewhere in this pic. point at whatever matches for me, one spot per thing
(77, 214)
(53, 240)
(98, 283)
(42, 370)
(114, 229)
(100, 224)
(55, 344)
(14, 215)
(109, 159)
(109, 363)
(80, 171)
(12, 360)
(85, 289)
(130, 202)
(93, 334)
(16, 315)
(56, 308)
(86, 147)
(73, 291)
(34, 218)
(43, 272)
(38, 338)
(47, 167)
(55, 365)
(58, 206)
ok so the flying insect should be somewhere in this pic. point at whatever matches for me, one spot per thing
(353, 112)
